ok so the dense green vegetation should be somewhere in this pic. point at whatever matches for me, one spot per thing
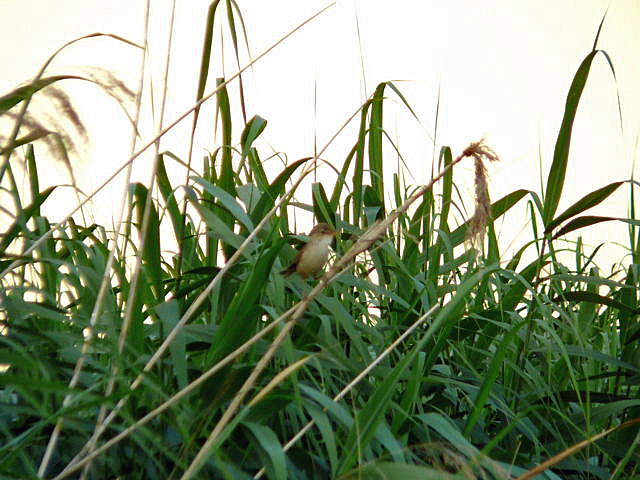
(136, 354)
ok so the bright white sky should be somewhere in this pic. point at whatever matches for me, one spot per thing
(503, 69)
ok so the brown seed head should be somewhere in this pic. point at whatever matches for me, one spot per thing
(475, 231)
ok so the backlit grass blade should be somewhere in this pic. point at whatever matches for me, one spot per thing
(32, 136)
(236, 49)
(322, 209)
(151, 252)
(342, 179)
(275, 189)
(251, 131)
(217, 228)
(447, 186)
(34, 184)
(591, 200)
(628, 296)
(10, 100)
(206, 57)
(358, 169)
(166, 190)
(227, 202)
(226, 179)
(375, 144)
(595, 298)
(581, 222)
(555, 180)
(20, 223)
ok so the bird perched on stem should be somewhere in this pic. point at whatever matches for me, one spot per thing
(313, 255)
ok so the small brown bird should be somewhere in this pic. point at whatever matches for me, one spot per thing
(313, 255)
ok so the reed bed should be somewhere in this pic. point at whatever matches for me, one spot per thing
(169, 346)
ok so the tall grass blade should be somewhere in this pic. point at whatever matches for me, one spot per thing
(555, 180)
(588, 201)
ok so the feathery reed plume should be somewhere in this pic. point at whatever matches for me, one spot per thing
(475, 232)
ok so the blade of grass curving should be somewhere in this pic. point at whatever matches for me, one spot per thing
(256, 169)
(376, 130)
(358, 171)
(166, 190)
(20, 223)
(555, 180)
(582, 222)
(234, 38)
(252, 130)
(606, 55)
(226, 179)
(151, 257)
(341, 180)
(590, 200)
(228, 203)
(447, 188)
(31, 137)
(275, 189)
(322, 209)
(206, 59)
(591, 297)
(34, 184)
(375, 144)
(20, 94)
